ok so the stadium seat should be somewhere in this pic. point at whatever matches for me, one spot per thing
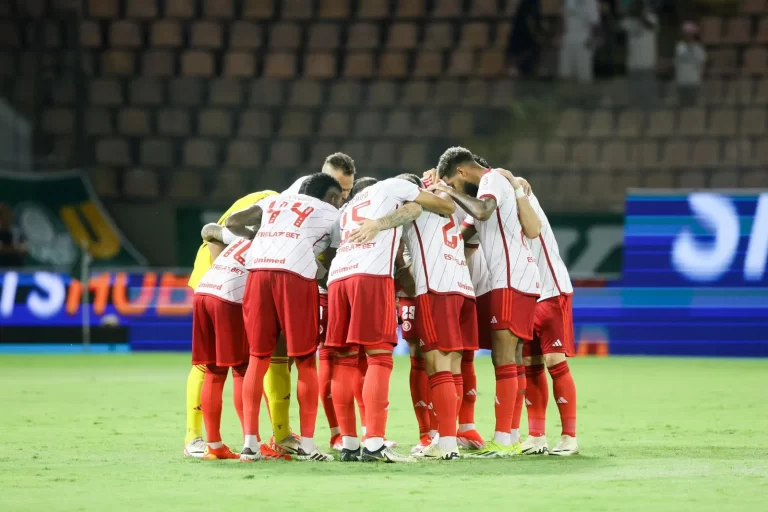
(280, 65)
(219, 9)
(305, 93)
(618, 155)
(648, 154)
(724, 178)
(398, 124)
(484, 9)
(243, 153)
(98, 121)
(502, 93)
(755, 179)
(133, 121)
(141, 183)
(179, 8)
(761, 93)
(285, 36)
(297, 9)
(491, 63)
(755, 60)
(447, 92)
(551, 7)
(259, 9)
(368, 123)
(239, 64)
(738, 30)
(428, 123)
(103, 91)
(244, 35)
(333, 9)
(631, 123)
(415, 93)
(215, 122)
(393, 64)
(334, 123)
(525, 152)
(185, 185)
(584, 154)
(197, 63)
(383, 155)
(753, 6)
(676, 153)
(410, 9)
(753, 121)
(739, 92)
(118, 63)
(474, 35)
(461, 124)
(284, 154)
(722, 121)
(503, 30)
(142, 9)
(693, 180)
(705, 153)
(225, 92)
(760, 156)
(723, 61)
(206, 35)
(107, 9)
(90, 34)
(255, 123)
(105, 181)
(323, 36)
(373, 9)
(166, 34)
(762, 31)
(712, 91)
(475, 93)
(737, 151)
(569, 189)
(358, 65)
(429, 64)
(413, 156)
(693, 121)
(357, 150)
(156, 152)
(345, 93)
(403, 36)
(229, 184)
(572, 123)
(319, 151)
(267, 92)
(382, 93)
(601, 124)
(659, 180)
(623, 181)
(363, 36)
(159, 63)
(59, 121)
(711, 30)
(124, 34)
(320, 65)
(200, 152)
(461, 63)
(555, 154)
(661, 123)
(447, 9)
(173, 122)
(438, 36)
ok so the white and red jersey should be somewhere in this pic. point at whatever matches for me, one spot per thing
(295, 228)
(510, 261)
(377, 257)
(554, 274)
(478, 267)
(227, 275)
(437, 252)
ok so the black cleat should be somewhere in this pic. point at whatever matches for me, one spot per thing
(348, 455)
(385, 454)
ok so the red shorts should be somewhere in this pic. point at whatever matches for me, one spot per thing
(446, 322)
(510, 309)
(323, 317)
(553, 329)
(218, 333)
(276, 301)
(483, 304)
(361, 311)
(407, 314)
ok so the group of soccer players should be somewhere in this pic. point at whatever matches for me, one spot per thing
(377, 250)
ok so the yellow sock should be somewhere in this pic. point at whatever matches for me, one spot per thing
(277, 386)
(194, 411)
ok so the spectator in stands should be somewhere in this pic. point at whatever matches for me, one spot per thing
(525, 37)
(690, 58)
(641, 26)
(581, 30)
(12, 247)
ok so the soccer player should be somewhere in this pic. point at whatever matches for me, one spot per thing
(194, 445)
(361, 298)
(281, 295)
(340, 166)
(502, 218)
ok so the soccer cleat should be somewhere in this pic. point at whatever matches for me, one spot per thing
(424, 442)
(336, 443)
(516, 448)
(221, 453)
(433, 452)
(385, 454)
(316, 456)
(268, 453)
(492, 450)
(248, 455)
(290, 445)
(566, 447)
(470, 440)
(535, 445)
(195, 448)
(348, 455)
(390, 444)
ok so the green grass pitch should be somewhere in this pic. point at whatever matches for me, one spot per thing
(106, 432)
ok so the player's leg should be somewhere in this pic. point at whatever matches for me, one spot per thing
(503, 353)
(468, 435)
(277, 388)
(536, 399)
(238, 374)
(362, 369)
(439, 366)
(324, 378)
(213, 392)
(520, 401)
(420, 395)
(203, 353)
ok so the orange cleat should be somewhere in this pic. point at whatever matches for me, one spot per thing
(471, 440)
(221, 453)
(267, 453)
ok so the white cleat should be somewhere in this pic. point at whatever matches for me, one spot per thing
(566, 447)
(195, 448)
(290, 445)
(385, 454)
(433, 452)
(315, 456)
(249, 455)
(390, 444)
(535, 445)
(424, 442)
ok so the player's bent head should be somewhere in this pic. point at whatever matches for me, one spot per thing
(362, 184)
(324, 187)
(458, 168)
(412, 178)
(481, 161)
(342, 167)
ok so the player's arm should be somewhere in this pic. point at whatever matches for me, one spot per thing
(440, 204)
(525, 212)
(403, 272)
(369, 228)
(238, 222)
(480, 209)
(327, 258)
(467, 232)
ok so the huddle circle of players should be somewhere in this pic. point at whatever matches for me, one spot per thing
(463, 257)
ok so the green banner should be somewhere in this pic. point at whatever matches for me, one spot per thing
(189, 222)
(56, 213)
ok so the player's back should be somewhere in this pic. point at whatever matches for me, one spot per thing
(554, 274)
(295, 228)
(227, 275)
(510, 261)
(437, 251)
(377, 256)
(478, 267)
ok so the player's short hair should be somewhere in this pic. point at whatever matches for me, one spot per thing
(317, 185)
(342, 161)
(481, 161)
(412, 178)
(452, 158)
(362, 184)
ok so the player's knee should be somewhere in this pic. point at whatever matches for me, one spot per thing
(239, 371)
(217, 370)
(554, 358)
(413, 348)
(380, 358)
(468, 357)
(533, 360)
(306, 362)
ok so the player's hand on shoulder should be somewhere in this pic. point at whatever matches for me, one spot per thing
(513, 180)
(430, 178)
(366, 232)
(526, 186)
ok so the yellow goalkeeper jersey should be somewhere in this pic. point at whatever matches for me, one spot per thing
(203, 260)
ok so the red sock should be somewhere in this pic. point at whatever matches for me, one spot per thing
(469, 396)
(253, 389)
(324, 376)
(420, 394)
(376, 393)
(211, 399)
(458, 384)
(520, 397)
(565, 396)
(444, 401)
(238, 373)
(362, 368)
(345, 375)
(536, 398)
(506, 396)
